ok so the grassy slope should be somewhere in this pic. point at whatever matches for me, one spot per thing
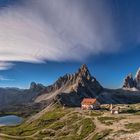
(72, 124)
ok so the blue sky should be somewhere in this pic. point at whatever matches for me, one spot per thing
(42, 40)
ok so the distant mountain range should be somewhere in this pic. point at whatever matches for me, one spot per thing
(70, 89)
(132, 83)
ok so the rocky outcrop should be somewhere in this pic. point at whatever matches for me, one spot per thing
(83, 86)
(137, 79)
(132, 83)
(72, 88)
(129, 82)
(37, 87)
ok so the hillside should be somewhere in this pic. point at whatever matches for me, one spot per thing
(60, 123)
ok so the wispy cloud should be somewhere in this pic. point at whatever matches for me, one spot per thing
(5, 65)
(56, 30)
(2, 78)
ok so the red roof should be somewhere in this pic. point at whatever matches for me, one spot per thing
(89, 101)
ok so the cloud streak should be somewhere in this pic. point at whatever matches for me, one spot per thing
(68, 30)
(2, 78)
(5, 65)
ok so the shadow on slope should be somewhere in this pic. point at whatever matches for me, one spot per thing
(119, 96)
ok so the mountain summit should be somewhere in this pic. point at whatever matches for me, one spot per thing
(137, 78)
(72, 88)
(132, 83)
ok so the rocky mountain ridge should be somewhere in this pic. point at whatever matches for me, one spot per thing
(68, 89)
(72, 88)
(79, 78)
(132, 83)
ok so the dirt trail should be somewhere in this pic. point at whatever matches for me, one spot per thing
(117, 125)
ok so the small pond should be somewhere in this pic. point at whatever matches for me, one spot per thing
(10, 120)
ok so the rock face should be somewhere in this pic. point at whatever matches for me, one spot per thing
(37, 87)
(137, 79)
(72, 88)
(129, 82)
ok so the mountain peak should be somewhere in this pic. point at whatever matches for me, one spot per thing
(137, 78)
(137, 73)
(70, 89)
(84, 66)
(84, 72)
(131, 82)
(33, 85)
(37, 87)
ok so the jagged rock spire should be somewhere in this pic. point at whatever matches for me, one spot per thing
(129, 82)
(84, 72)
(37, 87)
(137, 78)
(84, 69)
(81, 82)
(33, 85)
